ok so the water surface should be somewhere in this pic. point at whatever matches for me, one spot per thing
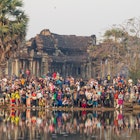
(68, 125)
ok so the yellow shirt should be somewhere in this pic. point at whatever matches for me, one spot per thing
(17, 96)
(13, 95)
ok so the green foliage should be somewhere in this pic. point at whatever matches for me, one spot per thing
(123, 44)
(13, 26)
(115, 33)
(135, 75)
(92, 48)
(134, 69)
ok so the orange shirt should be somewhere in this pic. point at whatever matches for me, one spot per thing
(22, 81)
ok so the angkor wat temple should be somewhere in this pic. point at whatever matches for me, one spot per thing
(49, 52)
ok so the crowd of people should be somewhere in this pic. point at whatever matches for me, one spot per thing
(52, 90)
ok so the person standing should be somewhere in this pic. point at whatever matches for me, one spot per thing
(28, 73)
(120, 100)
(116, 98)
(28, 98)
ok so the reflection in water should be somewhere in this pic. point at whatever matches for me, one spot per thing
(80, 125)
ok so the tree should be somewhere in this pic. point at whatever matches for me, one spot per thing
(132, 26)
(13, 27)
(115, 34)
(126, 39)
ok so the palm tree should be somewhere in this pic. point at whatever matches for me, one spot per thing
(117, 35)
(13, 26)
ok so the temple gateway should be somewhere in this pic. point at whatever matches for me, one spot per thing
(49, 52)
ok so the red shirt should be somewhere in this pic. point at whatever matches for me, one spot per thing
(54, 75)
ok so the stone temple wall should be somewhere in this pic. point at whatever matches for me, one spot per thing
(66, 54)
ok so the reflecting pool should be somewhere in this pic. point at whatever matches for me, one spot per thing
(68, 125)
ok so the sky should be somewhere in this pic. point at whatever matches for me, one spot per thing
(78, 17)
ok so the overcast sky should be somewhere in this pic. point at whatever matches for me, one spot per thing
(78, 17)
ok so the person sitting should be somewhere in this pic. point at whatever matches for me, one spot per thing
(65, 102)
(83, 103)
(41, 102)
(89, 95)
(95, 99)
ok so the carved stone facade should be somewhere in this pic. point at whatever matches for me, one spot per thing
(28, 59)
(66, 54)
